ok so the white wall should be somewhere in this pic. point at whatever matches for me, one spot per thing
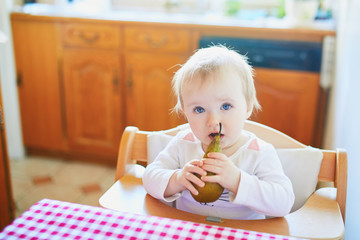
(8, 86)
(343, 129)
(346, 127)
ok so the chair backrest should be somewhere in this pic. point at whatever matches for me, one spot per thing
(333, 169)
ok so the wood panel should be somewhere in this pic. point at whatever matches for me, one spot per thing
(93, 101)
(157, 38)
(289, 102)
(149, 97)
(37, 60)
(90, 35)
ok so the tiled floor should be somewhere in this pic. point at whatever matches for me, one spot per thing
(35, 178)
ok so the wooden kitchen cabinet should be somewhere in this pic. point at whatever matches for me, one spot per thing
(92, 89)
(289, 101)
(83, 86)
(93, 101)
(37, 66)
(149, 97)
(82, 80)
(152, 57)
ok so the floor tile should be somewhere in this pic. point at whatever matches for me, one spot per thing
(33, 166)
(91, 199)
(20, 188)
(44, 179)
(108, 179)
(58, 192)
(78, 174)
(91, 188)
(35, 178)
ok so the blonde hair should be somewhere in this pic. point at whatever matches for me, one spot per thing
(211, 60)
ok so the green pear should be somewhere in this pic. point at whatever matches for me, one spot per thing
(211, 191)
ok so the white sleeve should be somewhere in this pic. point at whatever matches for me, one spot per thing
(157, 174)
(267, 190)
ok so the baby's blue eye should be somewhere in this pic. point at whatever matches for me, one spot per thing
(226, 106)
(199, 109)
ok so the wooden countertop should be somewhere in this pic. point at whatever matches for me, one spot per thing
(206, 23)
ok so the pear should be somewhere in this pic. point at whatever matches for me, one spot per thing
(211, 191)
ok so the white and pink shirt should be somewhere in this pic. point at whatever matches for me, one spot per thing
(264, 189)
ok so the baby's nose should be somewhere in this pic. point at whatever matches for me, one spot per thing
(213, 121)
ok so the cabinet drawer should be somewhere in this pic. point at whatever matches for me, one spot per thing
(143, 38)
(90, 35)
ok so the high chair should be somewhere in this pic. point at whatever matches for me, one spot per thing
(321, 216)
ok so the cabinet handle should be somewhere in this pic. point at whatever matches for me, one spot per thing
(116, 82)
(88, 39)
(19, 80)
(129, 81)
(153, 44)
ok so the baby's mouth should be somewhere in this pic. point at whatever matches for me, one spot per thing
(212, 135)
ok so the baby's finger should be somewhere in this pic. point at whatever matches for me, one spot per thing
(195, 180)
(197, 162)
(195, 169)
(211, 178)
(211, 161)
(191, 188)
(216, 155)
(190, 184)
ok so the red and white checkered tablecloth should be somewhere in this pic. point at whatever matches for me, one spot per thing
(52, 219)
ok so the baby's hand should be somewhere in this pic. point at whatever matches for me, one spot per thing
(186, 176)
(227, 174)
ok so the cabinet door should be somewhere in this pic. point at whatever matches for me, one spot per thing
(93, 101)
(289, 101)
(35, 45)
(149, 97)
